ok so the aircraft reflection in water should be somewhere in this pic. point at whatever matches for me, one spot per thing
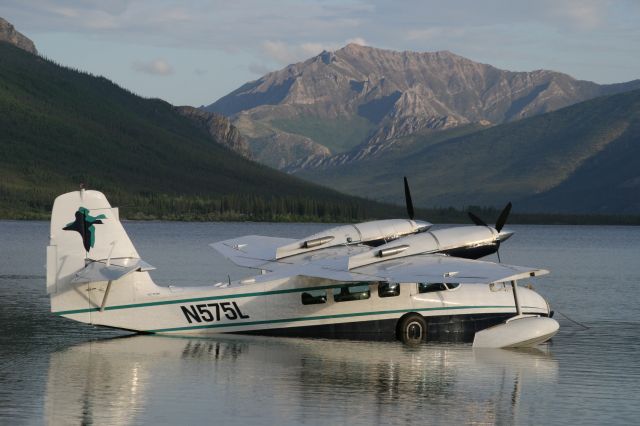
(275, 380)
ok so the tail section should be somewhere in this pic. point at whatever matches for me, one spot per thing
(88, 249)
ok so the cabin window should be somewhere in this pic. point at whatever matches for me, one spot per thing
(351, 292)
(386, 289)
(431, 287)
(314, 297)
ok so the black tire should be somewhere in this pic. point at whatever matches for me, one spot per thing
(412, 329)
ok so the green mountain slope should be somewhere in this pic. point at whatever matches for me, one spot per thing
(580, 159)
(605, 183)
(60, 127)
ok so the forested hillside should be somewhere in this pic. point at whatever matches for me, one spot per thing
(60, 128)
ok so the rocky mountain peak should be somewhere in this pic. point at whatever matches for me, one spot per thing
(354, 48)
(363, 98)
(9, 34)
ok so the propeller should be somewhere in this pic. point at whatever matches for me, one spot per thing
(502, 219)
(475, 219)
(407, 198)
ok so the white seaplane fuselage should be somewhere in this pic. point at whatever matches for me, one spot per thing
(140, 305)
(350, 289)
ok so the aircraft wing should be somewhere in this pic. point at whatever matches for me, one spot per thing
(117, 268)
(255, 251)
(418, 268)
(442, 268)
(251, 251)
(317, 271)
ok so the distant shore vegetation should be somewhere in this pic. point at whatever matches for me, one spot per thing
(36, 205)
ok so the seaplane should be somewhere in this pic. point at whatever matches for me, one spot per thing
(377, 280)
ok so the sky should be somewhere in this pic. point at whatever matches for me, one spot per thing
(192, 52)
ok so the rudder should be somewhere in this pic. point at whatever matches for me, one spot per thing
(84, 228)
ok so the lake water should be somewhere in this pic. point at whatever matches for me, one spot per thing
(55, 371)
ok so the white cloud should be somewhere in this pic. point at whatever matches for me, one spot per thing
(283, 53)
(278, 51)
(434, 33)
(259, 68)
(565, 35)
(357, 40)
(580, 14)
(67, 12)
(155, 67)
(312, 49)
(244, 25)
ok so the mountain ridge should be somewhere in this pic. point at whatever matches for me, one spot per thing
(385, 95)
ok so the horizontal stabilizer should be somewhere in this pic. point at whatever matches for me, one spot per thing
(116, 269)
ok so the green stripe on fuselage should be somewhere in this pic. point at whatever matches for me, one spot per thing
(202, 299)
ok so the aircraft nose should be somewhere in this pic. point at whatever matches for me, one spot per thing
(504, 235)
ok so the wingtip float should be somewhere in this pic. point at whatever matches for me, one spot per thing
(351, 281)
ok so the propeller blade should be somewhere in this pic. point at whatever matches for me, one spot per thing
(475, 219)
(502, 219)
(407, 198)
(498, 252)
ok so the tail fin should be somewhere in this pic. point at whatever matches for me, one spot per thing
(85, 229)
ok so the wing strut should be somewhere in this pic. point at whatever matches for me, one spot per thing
(514, 286)
(106, 294)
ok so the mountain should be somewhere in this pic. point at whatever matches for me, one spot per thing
(343, 106)
(219, 127)
(584, 158)
(62, 127)
(9, 34)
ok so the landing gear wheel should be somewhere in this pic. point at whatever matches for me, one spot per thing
(412, 329)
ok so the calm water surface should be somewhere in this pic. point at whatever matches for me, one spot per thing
(53, 370)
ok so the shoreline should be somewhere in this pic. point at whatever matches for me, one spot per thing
(459, 218)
